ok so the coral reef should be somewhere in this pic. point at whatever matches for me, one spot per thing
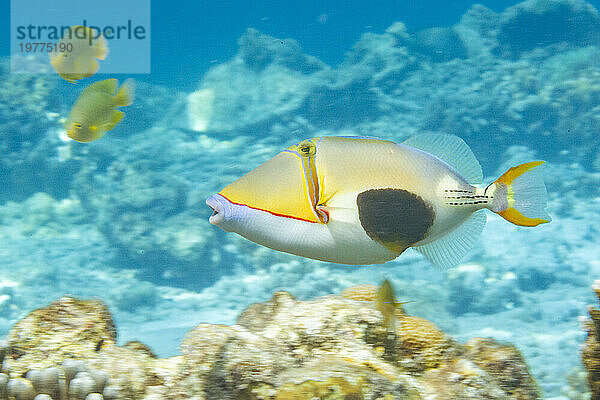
(28, 142)
(572, 21)
(505, 364)
(126, 216)
(439, 79)
(147, 215)
(331, 347)
(67, 350)
(52, 244)
(84, 326)
(590, 351)
(579, 388)
(268, 78)
(364, 292)
(142, 114)
(475, 288)
(440, 44)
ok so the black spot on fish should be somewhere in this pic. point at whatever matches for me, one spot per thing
(394, 217)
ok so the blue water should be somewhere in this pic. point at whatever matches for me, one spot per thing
(326, 30)
(123, 218)
(192, 36)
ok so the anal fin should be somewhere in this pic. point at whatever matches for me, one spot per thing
(448, 250)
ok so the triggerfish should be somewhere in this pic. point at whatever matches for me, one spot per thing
(95, 111)
(365, 200)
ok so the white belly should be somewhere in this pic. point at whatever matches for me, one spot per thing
(342, 240)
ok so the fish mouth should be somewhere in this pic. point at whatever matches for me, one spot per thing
(218, 205)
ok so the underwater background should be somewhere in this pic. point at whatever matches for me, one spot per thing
(123, 219)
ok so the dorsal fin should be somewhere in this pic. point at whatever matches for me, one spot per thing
(107, 86)
(452, 150)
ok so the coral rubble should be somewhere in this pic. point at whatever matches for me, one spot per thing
(331, 347)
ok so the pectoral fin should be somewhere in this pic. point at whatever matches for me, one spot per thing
(116, 117)
(95, 133)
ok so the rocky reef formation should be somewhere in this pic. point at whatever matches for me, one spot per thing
(590, 351)
(268, 78)
(572, 22)
(28, 115)
(334, 347)
(490, 75)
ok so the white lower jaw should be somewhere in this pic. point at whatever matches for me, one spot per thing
(216, 218)
(215, 202)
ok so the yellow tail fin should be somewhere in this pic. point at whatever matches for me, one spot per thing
(126, 93)
(520, 195)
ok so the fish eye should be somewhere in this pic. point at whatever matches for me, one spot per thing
(77, 125)
(307, 148)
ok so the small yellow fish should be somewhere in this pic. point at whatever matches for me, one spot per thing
(95, 111)
(386, 305)
(77, 52)
(365, 200)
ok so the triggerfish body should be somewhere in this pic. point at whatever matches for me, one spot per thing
(95, 111)
(365, 200)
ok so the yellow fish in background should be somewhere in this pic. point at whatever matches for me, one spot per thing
(386, 304)
(95, 111)
(80, 62)
(366, 200)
